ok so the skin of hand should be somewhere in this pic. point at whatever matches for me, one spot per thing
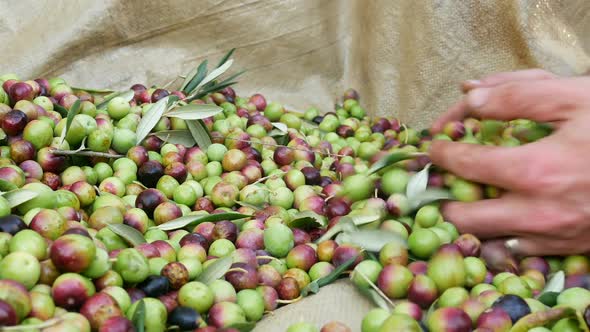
(546, 199)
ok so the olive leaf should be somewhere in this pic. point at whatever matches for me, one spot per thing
(216, 270)
(372, 295)
(90, 90)
(348, 223)
(417, 183)
(194, 77)
(200, 133)
(128, 233)
(150, 119)
(252, 206)
(138, 319)
(19, 196)
(185, 221)
(126, 95)
(182, 137)
(211, 88)
(226, 57)
(391, 159)
(243, 327)
(74, 110)
(373, 239)
(314, 286)
(281, 126)
(194, 111)
(307, 220)
(555, 284)
(430, 195)
(215, 73)
(60, 109)
(542, 318)
(7, 186)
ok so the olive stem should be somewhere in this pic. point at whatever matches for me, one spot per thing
(269, 177)
(43, 325)
(375, 288)
(85, 153)
(267, 257)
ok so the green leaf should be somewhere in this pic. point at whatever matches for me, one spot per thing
(417, 183)
(74, 110)
(314, 286)
(542, 318)
(126, 95)
(19, 196)
(61, 110)
(244, 204)
(281, 126)
(150, 119)
(194, 77)
(307, 220)
(430, 195)
(392, 159)
(138, 319)
(348, 223)
(548, 298)
(7, 185)
(372, 295)
(195, 111)
(553, 287)
(182, 137)
(226, 57)
(243, 327)
(216, 270)
(373, 240)
(90, 90)
(200, 133)
(215, 73)
(185, 221)
(210, 88)
(128, 233)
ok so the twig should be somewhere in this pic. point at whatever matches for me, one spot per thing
(375, 288)
(43, 325)
(85, 153)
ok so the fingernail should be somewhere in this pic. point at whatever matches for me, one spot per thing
(477, 98)
(473, 82)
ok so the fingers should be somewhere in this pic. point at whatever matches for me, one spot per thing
(543, 101)
(505, 77)
(545, 246)
(491, 218)
(455, 113)
(499, 166)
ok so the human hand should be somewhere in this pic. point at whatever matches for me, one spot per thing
(546, 184)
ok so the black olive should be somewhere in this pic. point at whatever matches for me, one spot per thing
(12, 224)
(184, 317)
(154, 286)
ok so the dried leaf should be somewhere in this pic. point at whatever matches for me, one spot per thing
(216, 270)
(307, 220)
(126, 95)
(374, 240)
(200, 133)
(128, 233)
(417, 183)
(138, 319)
(185, 221)
(195, 111)
(19, 196)
(182, 137)
(430, 195)
(150, 119)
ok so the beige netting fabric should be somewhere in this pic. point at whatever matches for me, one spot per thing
(406, 57)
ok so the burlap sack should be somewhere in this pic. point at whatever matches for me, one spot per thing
(406, 57)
